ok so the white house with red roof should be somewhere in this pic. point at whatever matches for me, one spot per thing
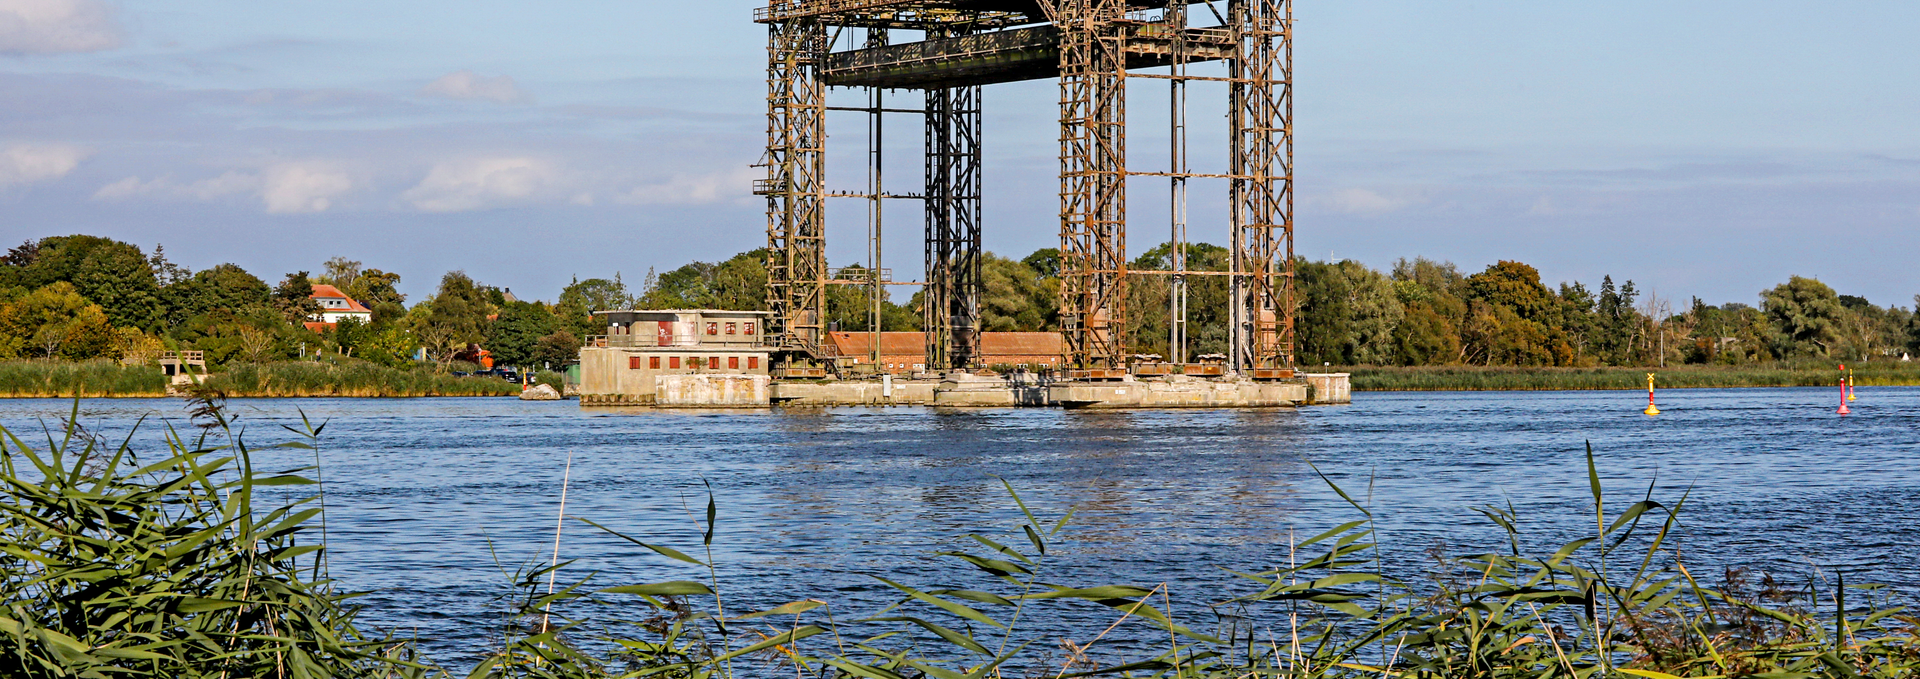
(336, 305)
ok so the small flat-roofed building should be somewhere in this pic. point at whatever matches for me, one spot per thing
(641, 346)
(906, 352)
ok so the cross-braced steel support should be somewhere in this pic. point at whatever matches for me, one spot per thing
(1093, 181)
(951, 303)
(794, 187)
(1261, 118)
(1093, 47)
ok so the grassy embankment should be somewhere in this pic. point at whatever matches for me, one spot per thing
(109, 379)
(190, 578)
(1482, 378)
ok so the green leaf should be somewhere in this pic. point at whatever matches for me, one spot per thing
(665, 551)
(792, 608)
(675, 588)
(951, 636)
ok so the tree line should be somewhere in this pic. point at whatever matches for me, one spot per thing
(83, 297)
(1419, 312)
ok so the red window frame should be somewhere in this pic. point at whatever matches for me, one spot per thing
(633, 362)
(749, 328)
(713, 328)
(733, 362)
(733, 328)
(673, 362)
(714, 362)
(753, 362)
(654, 363)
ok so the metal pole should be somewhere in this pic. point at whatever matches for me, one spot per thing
(1177, 313)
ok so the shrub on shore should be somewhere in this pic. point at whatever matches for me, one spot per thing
(348, 378)
(90, 379)
(1486, 378)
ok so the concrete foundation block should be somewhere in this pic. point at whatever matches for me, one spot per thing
(712, 391)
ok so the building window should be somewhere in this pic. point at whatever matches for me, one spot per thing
(749, 328)
(753, 362)
(654, 363)
(713, 328)
(633, 362)
(733, 362)
(673, 362)
(714, 363)
(733, 328)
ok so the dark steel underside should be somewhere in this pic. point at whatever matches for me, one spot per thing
(1003, 56)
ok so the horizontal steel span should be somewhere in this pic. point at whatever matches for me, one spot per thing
(1005, 56)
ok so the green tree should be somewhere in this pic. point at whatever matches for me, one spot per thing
(455, 318)
(1425, 336)
(1326, 313)
(738, 284)
(55, 322)
(1807, 314)
(557, 349)
(1015, 297)
(226, 286)
(1616, 323)
(112, 274)
(515, 335)
(293, 298)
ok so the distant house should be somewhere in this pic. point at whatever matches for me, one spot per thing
(336, 305)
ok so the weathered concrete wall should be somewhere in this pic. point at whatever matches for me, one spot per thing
(1178, 392)
(1331, 388)
(849, 393)
(712, 391)
(961, 390)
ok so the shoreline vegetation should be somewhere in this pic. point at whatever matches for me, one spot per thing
(1508, 378)
(359, 379)
(350, 379)
(200, 574)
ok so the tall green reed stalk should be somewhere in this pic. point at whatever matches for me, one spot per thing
(112, 567)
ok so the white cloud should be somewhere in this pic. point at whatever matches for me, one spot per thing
(27, 163)
(48, 26)
(206, 189)
(290, 188)
(302, 187)
(1362, 202)
(468, 85)
(458, 186)
(694, 189)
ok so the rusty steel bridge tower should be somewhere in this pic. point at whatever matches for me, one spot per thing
(1093, 48)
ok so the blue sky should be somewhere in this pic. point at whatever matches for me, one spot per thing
(1708, 148)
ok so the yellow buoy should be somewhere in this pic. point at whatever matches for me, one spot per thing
(1853, 387)
(1651, 408)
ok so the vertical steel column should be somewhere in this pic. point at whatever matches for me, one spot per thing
(951, 303)
(1176, 18)
(1093, 210)
(796, 169)
(1262, 189)
(876, 188)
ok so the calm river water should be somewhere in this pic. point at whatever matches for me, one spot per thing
(812, 502)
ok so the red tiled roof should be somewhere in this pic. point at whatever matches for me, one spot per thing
(324, 291)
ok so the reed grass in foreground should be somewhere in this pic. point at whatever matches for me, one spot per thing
(1493, 378)
(99, 378)
(165, 568)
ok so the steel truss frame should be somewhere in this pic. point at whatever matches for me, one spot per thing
(951, 302)
(1096, 39)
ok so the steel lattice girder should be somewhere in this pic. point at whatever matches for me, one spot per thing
(1262, 195)
(951, 303)
(795, 185)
